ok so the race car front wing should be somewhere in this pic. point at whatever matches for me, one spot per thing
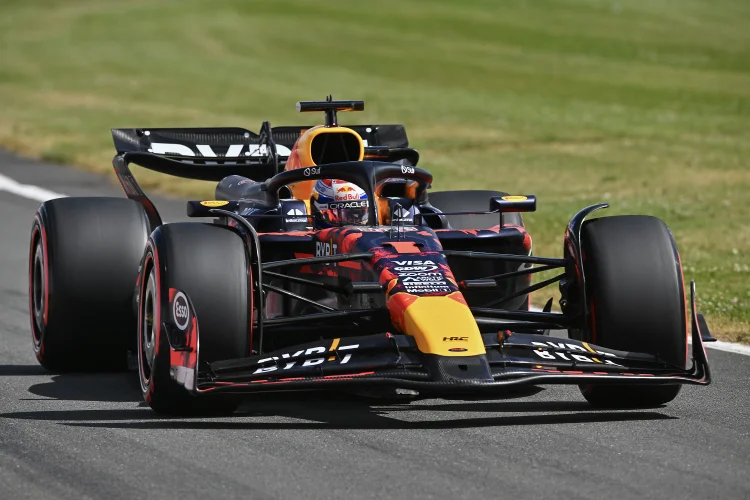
(393, 360)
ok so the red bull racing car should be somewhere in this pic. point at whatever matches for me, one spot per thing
(325, 262)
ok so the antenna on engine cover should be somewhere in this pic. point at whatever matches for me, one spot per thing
(330, 107)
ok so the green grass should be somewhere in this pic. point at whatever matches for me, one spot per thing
(644, 104)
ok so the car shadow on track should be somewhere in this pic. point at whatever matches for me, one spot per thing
(22, 371)
(280, 412)
(102, 387)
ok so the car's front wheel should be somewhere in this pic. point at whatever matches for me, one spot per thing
(636, 299)
(210, 265)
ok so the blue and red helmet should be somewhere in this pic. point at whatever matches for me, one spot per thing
(338, 203)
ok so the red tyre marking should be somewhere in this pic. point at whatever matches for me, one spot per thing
(38, 232)
(152, 255)
(141, 294)
(35, 235)
(157, 306)
(46, 275)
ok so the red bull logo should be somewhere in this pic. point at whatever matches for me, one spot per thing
(346, 192)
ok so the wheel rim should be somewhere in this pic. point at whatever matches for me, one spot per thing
(148, 335)
(38, 283)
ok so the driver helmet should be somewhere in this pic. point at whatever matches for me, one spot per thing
(338, 203)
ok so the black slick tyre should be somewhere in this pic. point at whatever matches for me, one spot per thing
(637, 301)
(210, 264)
(83, 264)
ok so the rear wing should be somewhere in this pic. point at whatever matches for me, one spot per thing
(211, 154)
(233, 142)
(214, 153)
(200, 142)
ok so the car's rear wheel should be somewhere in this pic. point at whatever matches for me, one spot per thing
(83, 263)
(637, 301)
(210, 264)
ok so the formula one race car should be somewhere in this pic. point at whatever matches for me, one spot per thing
(325, 263)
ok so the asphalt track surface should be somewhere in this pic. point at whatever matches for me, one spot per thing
(91, 436)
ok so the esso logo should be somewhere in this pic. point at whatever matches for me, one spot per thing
(180, 311)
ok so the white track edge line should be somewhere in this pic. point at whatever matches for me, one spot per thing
(734, 347)
(27, 190)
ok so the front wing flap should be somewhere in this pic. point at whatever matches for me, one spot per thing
(393, 360)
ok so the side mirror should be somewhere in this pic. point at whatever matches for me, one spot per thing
(203, 208)
(513, 203)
